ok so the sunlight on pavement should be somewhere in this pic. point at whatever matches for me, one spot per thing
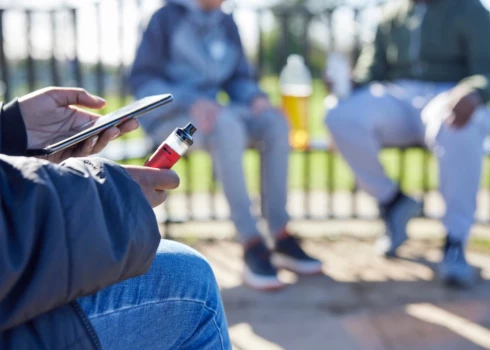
(244, 338)
(461, 326)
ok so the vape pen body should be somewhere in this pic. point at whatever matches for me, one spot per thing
(173, 148)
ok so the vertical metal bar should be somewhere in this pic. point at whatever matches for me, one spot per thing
(284, 48)
(188, 187)
(425, 176)
(357, 39)
(76, 62)
(330, 182)
(212, 193)
(306, 183)
(55, 74)
(354, 209)
(3, 62)
(263, 207)
(260, 54)
(168, 219)
(99, 70)
(122, 78)
(331, 36)
(401, 167)
(306, 40)
(31, 74)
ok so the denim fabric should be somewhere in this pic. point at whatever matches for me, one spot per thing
(176, 305)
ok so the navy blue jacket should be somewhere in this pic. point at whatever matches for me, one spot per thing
(66, 231)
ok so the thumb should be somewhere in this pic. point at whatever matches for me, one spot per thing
(75, 96)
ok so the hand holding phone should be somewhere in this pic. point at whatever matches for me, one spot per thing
(173, 148)
(80, 125)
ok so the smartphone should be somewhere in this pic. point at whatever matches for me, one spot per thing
(133, 110)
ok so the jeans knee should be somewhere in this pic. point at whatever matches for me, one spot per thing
(187, 270)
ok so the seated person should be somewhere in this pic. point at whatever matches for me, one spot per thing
(82, 265)
(424, 80)
(193, 50)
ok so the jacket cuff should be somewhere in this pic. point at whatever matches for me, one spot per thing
(14, 134)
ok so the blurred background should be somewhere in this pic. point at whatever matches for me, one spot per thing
(92, 44)
(364, 303)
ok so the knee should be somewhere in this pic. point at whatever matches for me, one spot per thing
(180, 267)
(229, 129)
(338, 120)
(275, 125)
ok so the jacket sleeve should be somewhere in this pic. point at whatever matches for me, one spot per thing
(66, 231)
(147, 76)
(372, 64)
(241, 87)
(475, 29)
(13, 135)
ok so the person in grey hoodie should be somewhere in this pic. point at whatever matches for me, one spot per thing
(193, 50)
(82, 265)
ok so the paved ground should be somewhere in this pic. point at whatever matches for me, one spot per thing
(362, 301)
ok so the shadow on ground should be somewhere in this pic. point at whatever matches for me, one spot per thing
(362, 302)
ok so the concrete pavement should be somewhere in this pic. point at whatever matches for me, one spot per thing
(362, 302)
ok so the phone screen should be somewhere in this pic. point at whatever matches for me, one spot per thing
(133, 110)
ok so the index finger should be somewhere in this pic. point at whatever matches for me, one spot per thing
(75, 96)
(166, 179)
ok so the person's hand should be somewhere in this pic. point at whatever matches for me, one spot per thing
(260, 104)
(463, 102)
(51, 115)
(204, 113)
(154, 182)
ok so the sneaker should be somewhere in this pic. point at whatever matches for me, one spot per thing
(396, 216)
(454, 270)
(259, 273)
(290, 256)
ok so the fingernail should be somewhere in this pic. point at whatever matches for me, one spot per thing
(94, 141)
(117, 134)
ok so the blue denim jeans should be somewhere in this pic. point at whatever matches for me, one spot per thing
(176, 305)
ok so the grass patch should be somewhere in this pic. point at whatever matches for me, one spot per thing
(481, 245)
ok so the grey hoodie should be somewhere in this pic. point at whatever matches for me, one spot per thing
(191, 54)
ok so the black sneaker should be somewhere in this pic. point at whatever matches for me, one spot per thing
(289, 255)
(259, 273)
(454, 271)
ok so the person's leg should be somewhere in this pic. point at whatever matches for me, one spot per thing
(175, 305)
(371, 118)
(227, 142)
(269, 133)
(460, 155)
(376, 116)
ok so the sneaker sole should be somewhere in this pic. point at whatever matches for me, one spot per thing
(281, 261)
(261, 283)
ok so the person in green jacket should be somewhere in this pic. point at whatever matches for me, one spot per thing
(424, 80)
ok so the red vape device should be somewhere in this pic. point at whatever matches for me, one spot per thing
(172, 148)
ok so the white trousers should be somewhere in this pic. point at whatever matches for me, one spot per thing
(405, 113)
